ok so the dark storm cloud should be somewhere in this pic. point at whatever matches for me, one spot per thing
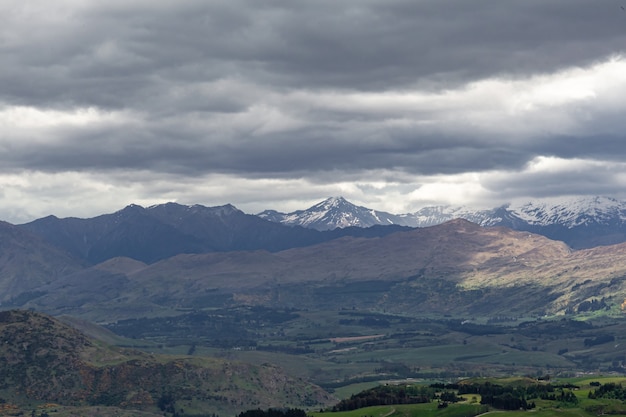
(116, 54)
(316, 90)
(180, 149)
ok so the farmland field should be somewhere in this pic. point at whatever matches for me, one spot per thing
(345, 348)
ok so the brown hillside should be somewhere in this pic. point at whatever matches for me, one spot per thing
(45, 360)
(463, 255)
(459, 251)
(457, 248)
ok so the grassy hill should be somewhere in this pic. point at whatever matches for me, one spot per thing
(568, 397)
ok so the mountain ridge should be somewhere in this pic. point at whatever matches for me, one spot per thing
(580, 222)
(332, 213)
(464, 256)
(27, 261)
(161, 231)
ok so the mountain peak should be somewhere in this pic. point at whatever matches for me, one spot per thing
(131, 208)
(337, 200)
(581, 222)
(333, 213)
(225, 210)
(332, 203)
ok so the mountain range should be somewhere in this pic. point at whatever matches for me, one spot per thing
(179, 277)
(579, 222)
(464, 267)
(171, 255)
(159, 232)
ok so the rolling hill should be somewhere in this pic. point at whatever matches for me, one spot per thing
(46, 361)
(454, 267)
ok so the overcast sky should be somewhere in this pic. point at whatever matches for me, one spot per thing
(393, 104)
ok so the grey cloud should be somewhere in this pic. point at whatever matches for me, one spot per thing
(177, 149)
(276, 89)
(578, 178)
(121, 56)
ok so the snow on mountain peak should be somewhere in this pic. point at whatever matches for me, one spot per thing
(334, 212)
(603, 216)
(330, 203)
(570, 212)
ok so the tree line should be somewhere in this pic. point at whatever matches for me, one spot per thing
(508, 397)
(387, 395)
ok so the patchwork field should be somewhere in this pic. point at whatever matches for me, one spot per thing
(337, 349)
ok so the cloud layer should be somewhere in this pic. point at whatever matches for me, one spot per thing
(393, 104)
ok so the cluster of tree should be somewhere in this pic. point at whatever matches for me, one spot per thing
(599, 340)
(167, 404)
(274, 412)
(449, 397)
(507, 401)
(474, 329)
(593, 305)
(291, 350)
(387, 395)
(610, 390)
(396, 368)
(552, 328)
(224, 325)
(366, 322)
(501, 319)
(510, 397)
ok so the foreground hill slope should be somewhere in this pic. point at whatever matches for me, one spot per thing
(47, 361)
(456, 266)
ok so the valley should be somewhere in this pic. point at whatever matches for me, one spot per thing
(345, 348)
(329, 316)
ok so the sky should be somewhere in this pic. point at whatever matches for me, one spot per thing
(279, 104)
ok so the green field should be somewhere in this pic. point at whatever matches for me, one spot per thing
(305, 343)
(471, 406)
(417, 410)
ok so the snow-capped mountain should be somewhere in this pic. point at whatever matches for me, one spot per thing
(433, 215)
(571, 212)
(580, 222)
(337, 212)
(332, 213)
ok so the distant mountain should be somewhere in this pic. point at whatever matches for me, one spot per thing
(456, 267)
(337, 212)
(161, 231)
(332, 213)
(580, 222)
(28, 262)
(45, 360)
